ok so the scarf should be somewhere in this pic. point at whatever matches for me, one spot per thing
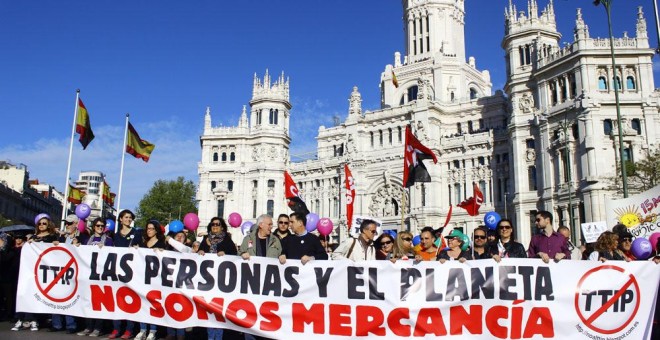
(215, 240)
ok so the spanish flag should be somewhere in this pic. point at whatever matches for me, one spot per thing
(83, 127)
(75, 195)
(394, 81)
(137, 146)
(106, 192)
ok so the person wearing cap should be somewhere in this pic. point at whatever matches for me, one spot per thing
(455, 243)
(625, 245)
(71, 234)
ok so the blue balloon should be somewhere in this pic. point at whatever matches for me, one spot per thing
(491, 220)
(176, 226)
(416, 240)
(109, 224)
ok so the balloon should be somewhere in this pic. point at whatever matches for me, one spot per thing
(82, 226)
(641, 248)
(109, 225)
(176, 226)
(312, 222)
(325, 226)
(191, 221)
(235, 219)
(654, 238)
(83, 210)
(39, 217)
(466, 242)
(245, 227)
(416, 240)
(491, 219)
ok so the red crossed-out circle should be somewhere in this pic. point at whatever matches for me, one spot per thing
(590, 319)
(46, 290)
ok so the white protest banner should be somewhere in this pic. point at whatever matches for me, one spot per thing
(639, 213)
(481, 299)
(592, 230)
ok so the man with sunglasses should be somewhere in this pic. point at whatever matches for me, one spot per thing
(360, 248)
(547, 244)
(282, 230)
(480, 248)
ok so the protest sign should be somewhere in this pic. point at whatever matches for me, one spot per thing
(592, 230)
(639, 213)
(482, 299)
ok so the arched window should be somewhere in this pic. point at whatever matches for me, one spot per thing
(230, 185)
(380, 134)
(617, 83)
(602, 83)
(389, 130)
(412, 93)
(232, 157)
(215, 156)
(630, 83)
(224, 157)
(473, 93)
(400, 135)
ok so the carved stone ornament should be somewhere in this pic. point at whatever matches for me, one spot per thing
(526, 103)
(530, 155)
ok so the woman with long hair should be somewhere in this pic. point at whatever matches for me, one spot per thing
(218, 241)
(404, 249)
(606, 248)
(505, 244)
(384, 247)
(152, 238)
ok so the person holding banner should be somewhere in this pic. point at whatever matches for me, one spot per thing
(625, 245)
(454, 252)
(218, 241)
(178, 243)
(481, 247)
(260, 242)
(126, 236)
(360, 248)
(547, 244)
(505, 245)
(153, 238)
(301, 245)
(404, 249)
(385, 247)
(427, 250)
(607, 248)
(282, 226)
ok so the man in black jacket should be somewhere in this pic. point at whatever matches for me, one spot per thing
(301, 245)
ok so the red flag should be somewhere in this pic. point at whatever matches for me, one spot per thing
(292, 194)
(350, 195)
(472, 204)
(414, 152)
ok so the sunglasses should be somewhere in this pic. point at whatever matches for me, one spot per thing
(282, 222)
(99, 226)
(215, 224)
(505, 227)
(407, 239)
(68, 223)
(479, 237)
(373, 231)
(43, 223)
(625, 239)
(386, 243)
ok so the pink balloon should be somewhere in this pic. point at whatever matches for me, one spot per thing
(654, 238)
(191, 221)
(325, 226)
(235, 219)
(82, 225)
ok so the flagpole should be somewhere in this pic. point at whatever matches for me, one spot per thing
(68, 165)
(102, 200)
(121, 173)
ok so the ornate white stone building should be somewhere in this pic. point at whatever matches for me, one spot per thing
(511, 144)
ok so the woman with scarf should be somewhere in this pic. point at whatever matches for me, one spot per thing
(218, 241)
(505, 244)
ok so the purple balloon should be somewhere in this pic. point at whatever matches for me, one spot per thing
(641, 248)
(325, 226)
(40, 216)
(83, 210)
(245, 228)
(312, 222)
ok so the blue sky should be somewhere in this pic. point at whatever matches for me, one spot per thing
(165, 61)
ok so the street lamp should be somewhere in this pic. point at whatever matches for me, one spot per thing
(607, 4)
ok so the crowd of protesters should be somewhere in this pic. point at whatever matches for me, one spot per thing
(289, 239)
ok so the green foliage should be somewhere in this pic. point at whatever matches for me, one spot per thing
(645, 174)
(5, 222)
(167, 201)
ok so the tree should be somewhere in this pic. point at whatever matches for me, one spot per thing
(642, 175)
(167, 201)
(4, 222)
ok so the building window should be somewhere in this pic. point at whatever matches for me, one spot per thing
(255, 184)
(627, 154)
(230, 185)
(457, 164)
(224, 157)
(213, 184)
(215, 156)
(400, 135)
(273, 116)
(389, 130)
(232, 157)
(617, 83)
(412, 93)
(530, 143)
(473, 93)
(575, 131)
(380, 137)
(630, 83)
(531, 175)
(482, 188)
(254, 209)
(553, 93)
(481, 160)
(221, 208)
(271, 184)
(259, 117)
(602, 83)
(270, 207)
(607, 127)
(449, 191)
(371, 134)
(565, 161)
(459, 128)
(636, 125)
(457, 192)
(470, 129)
(335, 207)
